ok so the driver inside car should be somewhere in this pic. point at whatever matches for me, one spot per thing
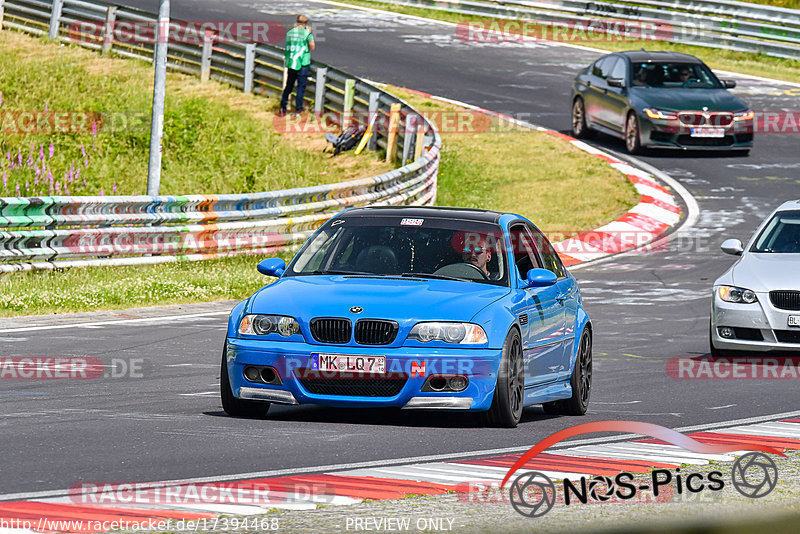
(478, 255)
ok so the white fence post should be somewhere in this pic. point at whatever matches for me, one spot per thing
(2, 10)
(249, 66)
(319, 89)
(55, 18)
(408, 138)
(374, 100)
(205, 60)
(108, 33)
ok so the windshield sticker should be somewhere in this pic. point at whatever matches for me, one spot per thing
(411, 222)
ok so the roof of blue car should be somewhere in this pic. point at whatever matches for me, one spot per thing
(467, 214)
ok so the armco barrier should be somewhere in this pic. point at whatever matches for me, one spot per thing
(53, 232)
(721, 24)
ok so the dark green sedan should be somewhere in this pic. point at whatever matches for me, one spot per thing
(660, 100)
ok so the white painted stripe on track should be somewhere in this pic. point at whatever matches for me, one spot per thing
(672, 450)
(656, 212)
(608, 452)
(767, 432)
(116, 322)
(658, 194)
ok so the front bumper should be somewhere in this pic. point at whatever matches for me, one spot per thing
(292, 360)
(751, 322)
(671, 133)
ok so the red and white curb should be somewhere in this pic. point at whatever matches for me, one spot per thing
(656, 213)
(342, 487)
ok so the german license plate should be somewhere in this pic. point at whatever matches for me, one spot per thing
(794, 320)
(708, 132)
(348, 362)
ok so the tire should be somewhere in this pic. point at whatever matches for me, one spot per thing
(232, 405)
(633, 141)
(509, 392)
(579, 128)
(581, 382)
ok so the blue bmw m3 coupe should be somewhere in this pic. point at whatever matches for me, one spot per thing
(417, 308)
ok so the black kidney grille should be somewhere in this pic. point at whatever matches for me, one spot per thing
(375, 332)
(373, 386)
(330, 329)
(785, 300)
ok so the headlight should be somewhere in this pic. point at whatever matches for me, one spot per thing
(743, 115)
(659, 114)
(261, 325)
(737, 294)
(462, 333)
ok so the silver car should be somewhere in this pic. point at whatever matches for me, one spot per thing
(756, 303)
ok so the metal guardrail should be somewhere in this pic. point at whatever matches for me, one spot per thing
(60, 231)
(720, 24)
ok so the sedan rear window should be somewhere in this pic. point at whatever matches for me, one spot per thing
(781, 234)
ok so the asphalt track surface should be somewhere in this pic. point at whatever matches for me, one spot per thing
(646, 307)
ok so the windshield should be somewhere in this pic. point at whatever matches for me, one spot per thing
(685, 75)
(406, 247)
(781, 235)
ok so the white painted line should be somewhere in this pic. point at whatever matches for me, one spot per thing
(607, 452)
(118, 322)
(672, 450)
(656, 212)
(201, 394)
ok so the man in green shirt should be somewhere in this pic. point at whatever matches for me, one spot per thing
(297, 55)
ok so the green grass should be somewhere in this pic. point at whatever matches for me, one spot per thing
(510, 169)
(216, 139)
(742, 62)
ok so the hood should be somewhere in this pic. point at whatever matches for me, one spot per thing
(764, 272)
(679, 99)
(381, 298)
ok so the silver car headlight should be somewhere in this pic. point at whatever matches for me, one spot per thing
(261, 325)
(660, 114)
(461, 333)
(737, 294)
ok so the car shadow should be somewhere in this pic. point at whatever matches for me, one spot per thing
(384, 416)
(608, 142)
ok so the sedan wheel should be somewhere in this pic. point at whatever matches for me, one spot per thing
(509, 393)
(579, 128)
(632, 139)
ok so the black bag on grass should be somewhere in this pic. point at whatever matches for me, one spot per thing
(346, 140)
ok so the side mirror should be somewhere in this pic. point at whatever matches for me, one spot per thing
(615, 82)
(272, 267)
(733, 247)
(729, 84)
(540, 278)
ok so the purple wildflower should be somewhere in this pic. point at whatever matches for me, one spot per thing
(83, 150)
(19, 158)
(52, 149)
(17, 189)
(115, 187)
(41, 152)
(5, 180)
(58, 188)
(101, 192)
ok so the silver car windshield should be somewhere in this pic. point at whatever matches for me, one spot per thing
(412, 248)
(781, 234)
